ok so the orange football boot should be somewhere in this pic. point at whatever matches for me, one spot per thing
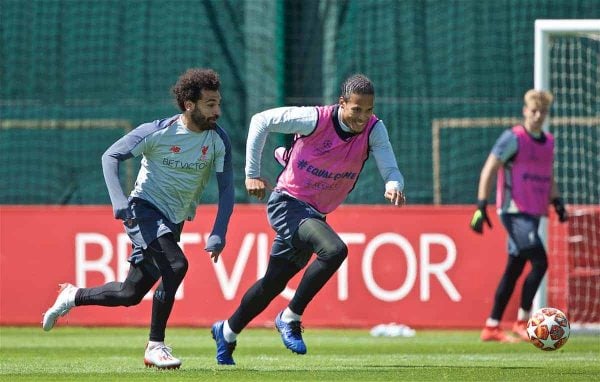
(494, 333)
(520, 330)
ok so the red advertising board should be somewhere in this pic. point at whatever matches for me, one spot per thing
(420, 266)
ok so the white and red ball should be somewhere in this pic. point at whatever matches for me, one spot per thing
(548, 329)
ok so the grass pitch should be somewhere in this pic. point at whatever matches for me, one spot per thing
(116, 354)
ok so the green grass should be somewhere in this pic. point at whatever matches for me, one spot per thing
(115, 354)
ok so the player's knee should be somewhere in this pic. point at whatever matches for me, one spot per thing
(131, 297)
(334, 253)
(180, 267)
(539, 267)
(539, 260)
(132, 301)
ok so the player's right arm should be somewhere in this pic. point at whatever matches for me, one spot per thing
(127, 147)
(286, 120)
(488, 172)
(505, 148)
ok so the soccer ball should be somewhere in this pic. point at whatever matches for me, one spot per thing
(548, 329)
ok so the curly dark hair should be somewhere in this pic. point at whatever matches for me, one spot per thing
(357, 84)
(190, 84)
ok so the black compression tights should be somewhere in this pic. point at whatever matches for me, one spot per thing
(163, 253)
(514, 268)
(313, 235)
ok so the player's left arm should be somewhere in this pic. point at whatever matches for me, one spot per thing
(558, 203)
(381, 148)
(224, 170)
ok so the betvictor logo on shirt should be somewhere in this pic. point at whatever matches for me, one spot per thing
(179, 158)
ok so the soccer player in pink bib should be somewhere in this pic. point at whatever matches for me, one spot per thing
(331, 145)
(523, 159)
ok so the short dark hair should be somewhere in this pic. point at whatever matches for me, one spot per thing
(190, 84)
(357, 84)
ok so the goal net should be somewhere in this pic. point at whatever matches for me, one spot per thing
(57, 161)
(567, 58)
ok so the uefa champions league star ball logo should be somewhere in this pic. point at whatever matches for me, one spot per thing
(324, 148)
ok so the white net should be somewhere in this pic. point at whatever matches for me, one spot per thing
(574, 247)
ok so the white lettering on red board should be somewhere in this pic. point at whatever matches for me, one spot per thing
(258, 243)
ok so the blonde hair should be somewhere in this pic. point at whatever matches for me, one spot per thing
(540, 98)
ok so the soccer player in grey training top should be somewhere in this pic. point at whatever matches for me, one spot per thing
(179, 155)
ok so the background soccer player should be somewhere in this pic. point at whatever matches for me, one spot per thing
(330, 148)
(525, 187)
(179, 155)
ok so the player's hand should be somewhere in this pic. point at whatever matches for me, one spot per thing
(395, 197)
(123, 212)
(130, 222)
(257, 187)
(214, 246)
(480, 216)
(214, 255)
(561, 211)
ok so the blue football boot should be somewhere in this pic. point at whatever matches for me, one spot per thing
(224, 349)
(291, 334)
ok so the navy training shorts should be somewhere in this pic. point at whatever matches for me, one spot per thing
(522, 232)
(285, 215)
(149, 225)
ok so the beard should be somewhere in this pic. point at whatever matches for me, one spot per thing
(201, 121)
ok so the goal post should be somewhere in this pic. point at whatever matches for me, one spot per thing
(567, 63)
(544, 29)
